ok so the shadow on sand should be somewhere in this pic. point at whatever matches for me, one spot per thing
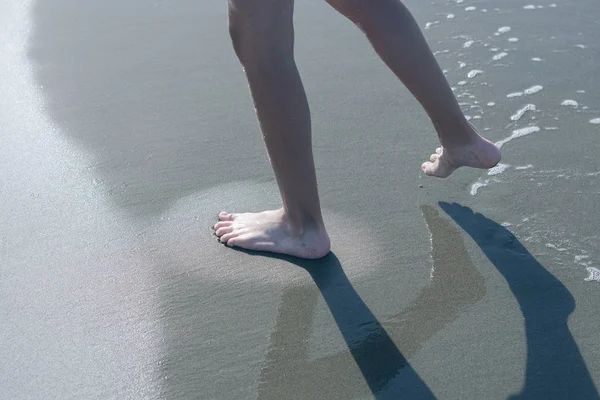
(555, 368)
(289, 373)
(376, 359)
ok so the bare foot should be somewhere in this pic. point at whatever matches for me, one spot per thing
(479, 153)
(271, 231)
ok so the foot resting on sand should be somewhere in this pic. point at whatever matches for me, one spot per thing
(478, 152)
(271, 231)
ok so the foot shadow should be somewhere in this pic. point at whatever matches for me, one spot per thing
(555, 368)
(289, 372)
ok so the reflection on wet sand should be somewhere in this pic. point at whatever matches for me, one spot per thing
(379, 350)
(555, 367)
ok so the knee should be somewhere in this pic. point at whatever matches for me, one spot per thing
(258, 45)
(355, 10)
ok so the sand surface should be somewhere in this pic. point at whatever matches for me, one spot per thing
(126, 126)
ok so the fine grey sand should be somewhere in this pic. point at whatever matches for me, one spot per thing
(126, 126)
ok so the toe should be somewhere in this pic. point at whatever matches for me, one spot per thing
(434, 157)
(432, 169)
(222, 224)
(225, 216)
(224, 230)
(439, 150)
(426, 167)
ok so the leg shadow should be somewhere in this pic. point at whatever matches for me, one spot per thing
(456, 285)
(288, 372)
(555, 368)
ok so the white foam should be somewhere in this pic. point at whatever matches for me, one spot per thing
(513, 39)
(491, 104)
(450, 16)
(461, 65)
(528, 91)
(494, 49)
(552, 6)
(536, 59)
(529, 7)
(594, 274)
(498, 169)
(517, 116)
(470, 8)
(499, 56)
(595, 121)
(581, 91)
(550, 128)
(478, 185)
(473, 73)
(430, 24)
(518, 133)
(571, 103)
(459, 1)
(522, 167)
(468, 44)
(461, 83)
(581, 257)
(581, 46)
(504, 29)
(533, 89)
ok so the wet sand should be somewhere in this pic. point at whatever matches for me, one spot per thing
(126, 127)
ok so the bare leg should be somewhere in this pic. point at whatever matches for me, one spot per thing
(263, 38)
(396, 37)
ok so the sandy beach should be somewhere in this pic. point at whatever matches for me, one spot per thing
(126, 126)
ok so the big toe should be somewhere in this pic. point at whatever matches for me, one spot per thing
(427, 167)
(436, 169)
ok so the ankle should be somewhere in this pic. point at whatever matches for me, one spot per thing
(301, 221)
(455, 133)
